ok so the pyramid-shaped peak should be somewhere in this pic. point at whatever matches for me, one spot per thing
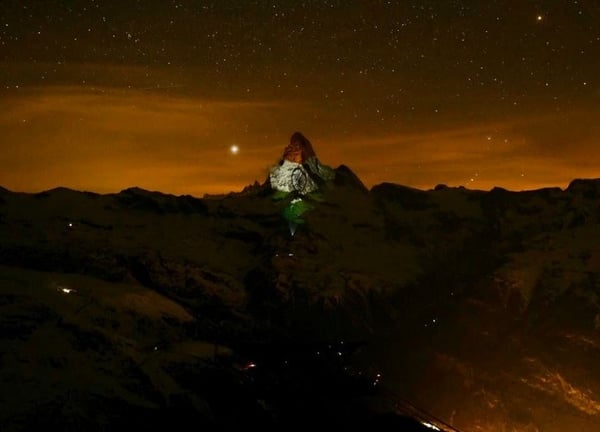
(299, 170)
(299, 149)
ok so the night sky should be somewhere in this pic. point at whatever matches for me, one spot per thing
(103, 95)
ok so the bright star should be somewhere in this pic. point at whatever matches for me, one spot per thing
(234, 149)
(539, 17)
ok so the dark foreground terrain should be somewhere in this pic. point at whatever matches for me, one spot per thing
(150, 311)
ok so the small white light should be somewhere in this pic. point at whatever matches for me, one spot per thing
(65, 290)
(70, 224)
(234, 149)
(430, 426)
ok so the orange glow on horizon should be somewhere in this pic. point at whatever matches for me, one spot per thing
(109, 140)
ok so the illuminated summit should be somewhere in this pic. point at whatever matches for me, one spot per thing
(299, 169)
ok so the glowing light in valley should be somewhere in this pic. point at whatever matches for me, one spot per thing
(430, 426)
(66, 290)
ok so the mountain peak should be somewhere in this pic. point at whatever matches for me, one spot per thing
(299, 150)
(299, 170)
(344, 176)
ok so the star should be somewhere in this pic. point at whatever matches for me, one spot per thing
(234, 149)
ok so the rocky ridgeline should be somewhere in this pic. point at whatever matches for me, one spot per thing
(495, 293)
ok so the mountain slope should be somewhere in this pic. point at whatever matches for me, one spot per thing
(491, 295)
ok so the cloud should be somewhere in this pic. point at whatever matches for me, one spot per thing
(522, 153)
(108, 139)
